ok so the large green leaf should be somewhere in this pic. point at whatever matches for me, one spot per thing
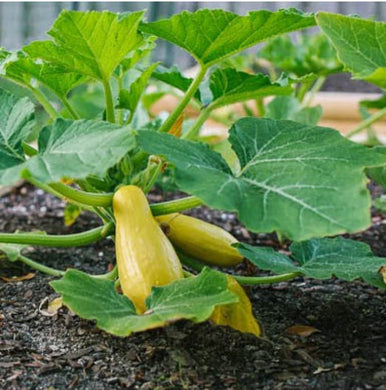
(379, 174)
(25, 70)
(361, 45)
(229, 86)
(212, 35)
(90, 43)
(288, 107)
(321, 259)
(17, 119)
(77, 149)
(193, 298)
(303, 181)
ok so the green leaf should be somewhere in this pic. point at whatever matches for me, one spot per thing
(361, 45)
(17, 119)
(90, 43)
(212, 35)
(77, 149)
(308, 54)
(25, 70)
(378, 174)
(173, 77)
(288, 107)
(229, 86)
(285, 183)
(321, 259)
(193, 298)
(129, 99)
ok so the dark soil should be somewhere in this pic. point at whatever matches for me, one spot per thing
(65, 352)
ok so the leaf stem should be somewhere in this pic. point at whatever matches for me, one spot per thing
(71, 111)
(244, 280)
(94, 199)
(59, 241)
(110, 116)
(51, 111)
(315, 89)
(303, 89)
(175, 206)
(40, 267)
(167, 125)
(260, 107)
(193, 132)
(367, 122)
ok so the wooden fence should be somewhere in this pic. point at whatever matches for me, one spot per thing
(22, 22)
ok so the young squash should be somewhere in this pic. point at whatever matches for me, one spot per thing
(201, 240)
(145, 256)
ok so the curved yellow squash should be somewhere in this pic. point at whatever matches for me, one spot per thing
(237, 315)
(145, 256)
(201, 240)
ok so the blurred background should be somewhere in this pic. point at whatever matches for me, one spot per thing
(22, 22)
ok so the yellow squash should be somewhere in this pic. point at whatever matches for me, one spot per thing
(145, 256)
(201, 240)
(237, 315)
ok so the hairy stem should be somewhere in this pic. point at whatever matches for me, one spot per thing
(40, 267)
(94, 199)
(44, 102)
(69, 108)
(315, 89)
(59, 241)
(193, 132)
(110, 116)
(167, 125)
(367, 122)
(175, 206)
(244, 280)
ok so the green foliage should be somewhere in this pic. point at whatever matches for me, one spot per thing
(212, 35)
(285, 170)
(193, 298)
(308, 54)
(78, 46)
(321, 259)
(288, 107)
(360, 44)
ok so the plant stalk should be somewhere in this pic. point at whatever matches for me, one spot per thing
(44, 102)
(193, 132)
(110, 116)
(40, 267)
(175, 206)
(59, 241)
(69, 108)
(367, 122)
(244, 280)
(175, 114)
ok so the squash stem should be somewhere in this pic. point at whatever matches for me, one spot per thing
(244, 280)
(167, 125)
(110, 116)
(175, 206)
(367, 122)
(40, 267)
(193, 132)
(59, 241)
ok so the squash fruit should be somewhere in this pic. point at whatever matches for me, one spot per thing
(201, 240)
(145, 256)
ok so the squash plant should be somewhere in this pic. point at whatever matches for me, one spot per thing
(304, 182)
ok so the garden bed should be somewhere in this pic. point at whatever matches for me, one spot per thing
(36, 351)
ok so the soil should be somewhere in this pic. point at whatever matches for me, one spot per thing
(64, 352)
